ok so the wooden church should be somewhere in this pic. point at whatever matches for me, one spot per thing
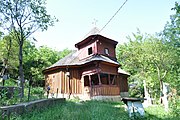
(91, 72)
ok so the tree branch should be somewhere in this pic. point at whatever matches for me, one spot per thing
(28, 22)
(32, 32)
(26, 17)
(19, 24)
(164, 74)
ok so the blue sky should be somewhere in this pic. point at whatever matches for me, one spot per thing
(76, 17)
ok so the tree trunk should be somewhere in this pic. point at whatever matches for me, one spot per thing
(160, 79)
(21, 72)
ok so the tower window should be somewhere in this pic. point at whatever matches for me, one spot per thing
(89, 50)
(106, 51)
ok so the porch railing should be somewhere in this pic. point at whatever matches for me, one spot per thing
(105, 90)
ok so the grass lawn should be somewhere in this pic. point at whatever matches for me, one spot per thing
(91, 110)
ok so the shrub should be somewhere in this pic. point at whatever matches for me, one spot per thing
(175, 106)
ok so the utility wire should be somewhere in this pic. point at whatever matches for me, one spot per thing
(114, 15)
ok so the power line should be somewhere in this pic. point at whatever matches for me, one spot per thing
(114, 15)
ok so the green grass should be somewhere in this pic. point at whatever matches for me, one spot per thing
(92, 110)
(158, 113)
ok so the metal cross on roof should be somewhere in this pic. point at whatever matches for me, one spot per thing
(94, 22)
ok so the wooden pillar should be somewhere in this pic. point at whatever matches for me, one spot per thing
(89, 80)
(115, 76)
(90, 86)
(70, 89)
(99, 78)
(109, 79)
(82, 84)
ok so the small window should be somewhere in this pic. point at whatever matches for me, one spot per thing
(106, 51)
(89, 50)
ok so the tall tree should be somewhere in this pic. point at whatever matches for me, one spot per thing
(147, 57)
(36, 60)
(171, 36)
(24, 17)
(9, 53)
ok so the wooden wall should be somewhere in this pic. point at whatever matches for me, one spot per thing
(101, 45)
(84, 50)
(122, 82)
(105, 68)
(60, 82)
(98, 45)
(76, 86)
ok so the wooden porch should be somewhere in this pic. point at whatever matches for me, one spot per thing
(103, 90)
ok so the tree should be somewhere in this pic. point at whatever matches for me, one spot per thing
(24, 17)
(36, 60)
(147, 57)
(9, 52)
(171, 36)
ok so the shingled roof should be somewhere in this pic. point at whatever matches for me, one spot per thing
(121, 71)
(73, 60)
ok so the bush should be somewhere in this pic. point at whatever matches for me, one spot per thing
(175, 106)
(10, 82)
(36, 93)
(8, 98)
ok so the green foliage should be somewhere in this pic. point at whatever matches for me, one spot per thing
(37, 93)
(11, 82)
(9, 98)
(154, 59)
(36, 60)
(25, 15)
(5, 99)
(175, 106)
(149, 58)
(9, 51)
(136, 86)
(171, 36)
(23, 18)
(3, 96)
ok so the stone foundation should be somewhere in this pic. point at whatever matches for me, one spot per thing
(124, 94)
(87, 97)
(107, 98)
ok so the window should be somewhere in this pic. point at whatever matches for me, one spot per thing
(106, 51)
(89, 50)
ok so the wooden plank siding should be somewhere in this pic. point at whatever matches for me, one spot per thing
(75, 82)
(122, 82)
(59, 80)
(108, 68)
(105, 90)
(101, 45)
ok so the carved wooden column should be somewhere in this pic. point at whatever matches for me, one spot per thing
(99, 78)
(91, 94)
